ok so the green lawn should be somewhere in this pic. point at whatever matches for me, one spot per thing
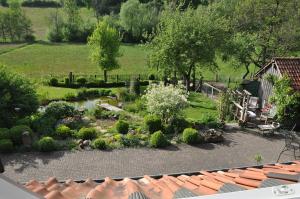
(200, 107)
(48, 92)
(45, 59)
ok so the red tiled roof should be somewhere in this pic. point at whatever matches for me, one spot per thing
(288, 66)
(171, 187)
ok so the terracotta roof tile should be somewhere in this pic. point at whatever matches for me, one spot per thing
(170, 187)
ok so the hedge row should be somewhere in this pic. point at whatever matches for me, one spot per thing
(98, 85)
(41, 4)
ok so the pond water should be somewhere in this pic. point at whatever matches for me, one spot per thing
(89, 104)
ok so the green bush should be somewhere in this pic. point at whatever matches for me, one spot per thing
(16, 133)
(179, 124)
(122, 127)
(190, 136)
(63, 131)
(43, 124)
(153, 123)
(158, 140)
(53, 82)
(60, 110)
(24, 121)
(6, 146)
(130, 140)
(47, 144)
(18, 97)
(99, 144)
(81, 80)
(87, 133)
(4, 133)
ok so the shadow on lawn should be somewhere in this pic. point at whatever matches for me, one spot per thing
(20, 161)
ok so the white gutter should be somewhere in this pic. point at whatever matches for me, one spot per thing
(291, 191)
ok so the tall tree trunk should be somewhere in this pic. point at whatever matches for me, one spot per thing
(105, 75)
(187, 80)
(194, 78)
(247, 71)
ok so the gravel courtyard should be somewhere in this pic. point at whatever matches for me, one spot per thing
(238, 150)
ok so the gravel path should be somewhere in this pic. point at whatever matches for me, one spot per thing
(238, 150)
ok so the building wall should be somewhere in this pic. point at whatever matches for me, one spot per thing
(265, 87)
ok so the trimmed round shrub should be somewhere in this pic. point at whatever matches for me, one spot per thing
(87, 133)
(47, 144)
(190, 136)
(16, 133)
(53, 82)
(158, 140)
(99, 144)
(63, 131)
(122, 127)
(81, 81)
(6, 146)
(4, 133)
(60, 110)
(153, 123)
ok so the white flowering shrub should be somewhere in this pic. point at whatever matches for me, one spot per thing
(165, 101)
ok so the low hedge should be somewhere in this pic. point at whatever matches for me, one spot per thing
(99, 84)
(6, 146)
(41, 4)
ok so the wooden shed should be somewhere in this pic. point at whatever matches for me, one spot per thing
(277, 67)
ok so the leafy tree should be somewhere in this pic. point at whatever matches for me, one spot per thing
(187, 40)
(18, 98)
(261, 29)
(138, 18)
(14, 25)
(55, 33)
(165, 101)
(72, 25)
(287, 101)
(105, 44)
(104, 7)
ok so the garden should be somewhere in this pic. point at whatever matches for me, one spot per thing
(148, 116)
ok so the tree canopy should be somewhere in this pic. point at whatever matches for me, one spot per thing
(187, 40)
(105, 44)
(261, 29)
(138, 18)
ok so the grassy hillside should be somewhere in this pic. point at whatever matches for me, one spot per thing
(43, 59)
(40, 19)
